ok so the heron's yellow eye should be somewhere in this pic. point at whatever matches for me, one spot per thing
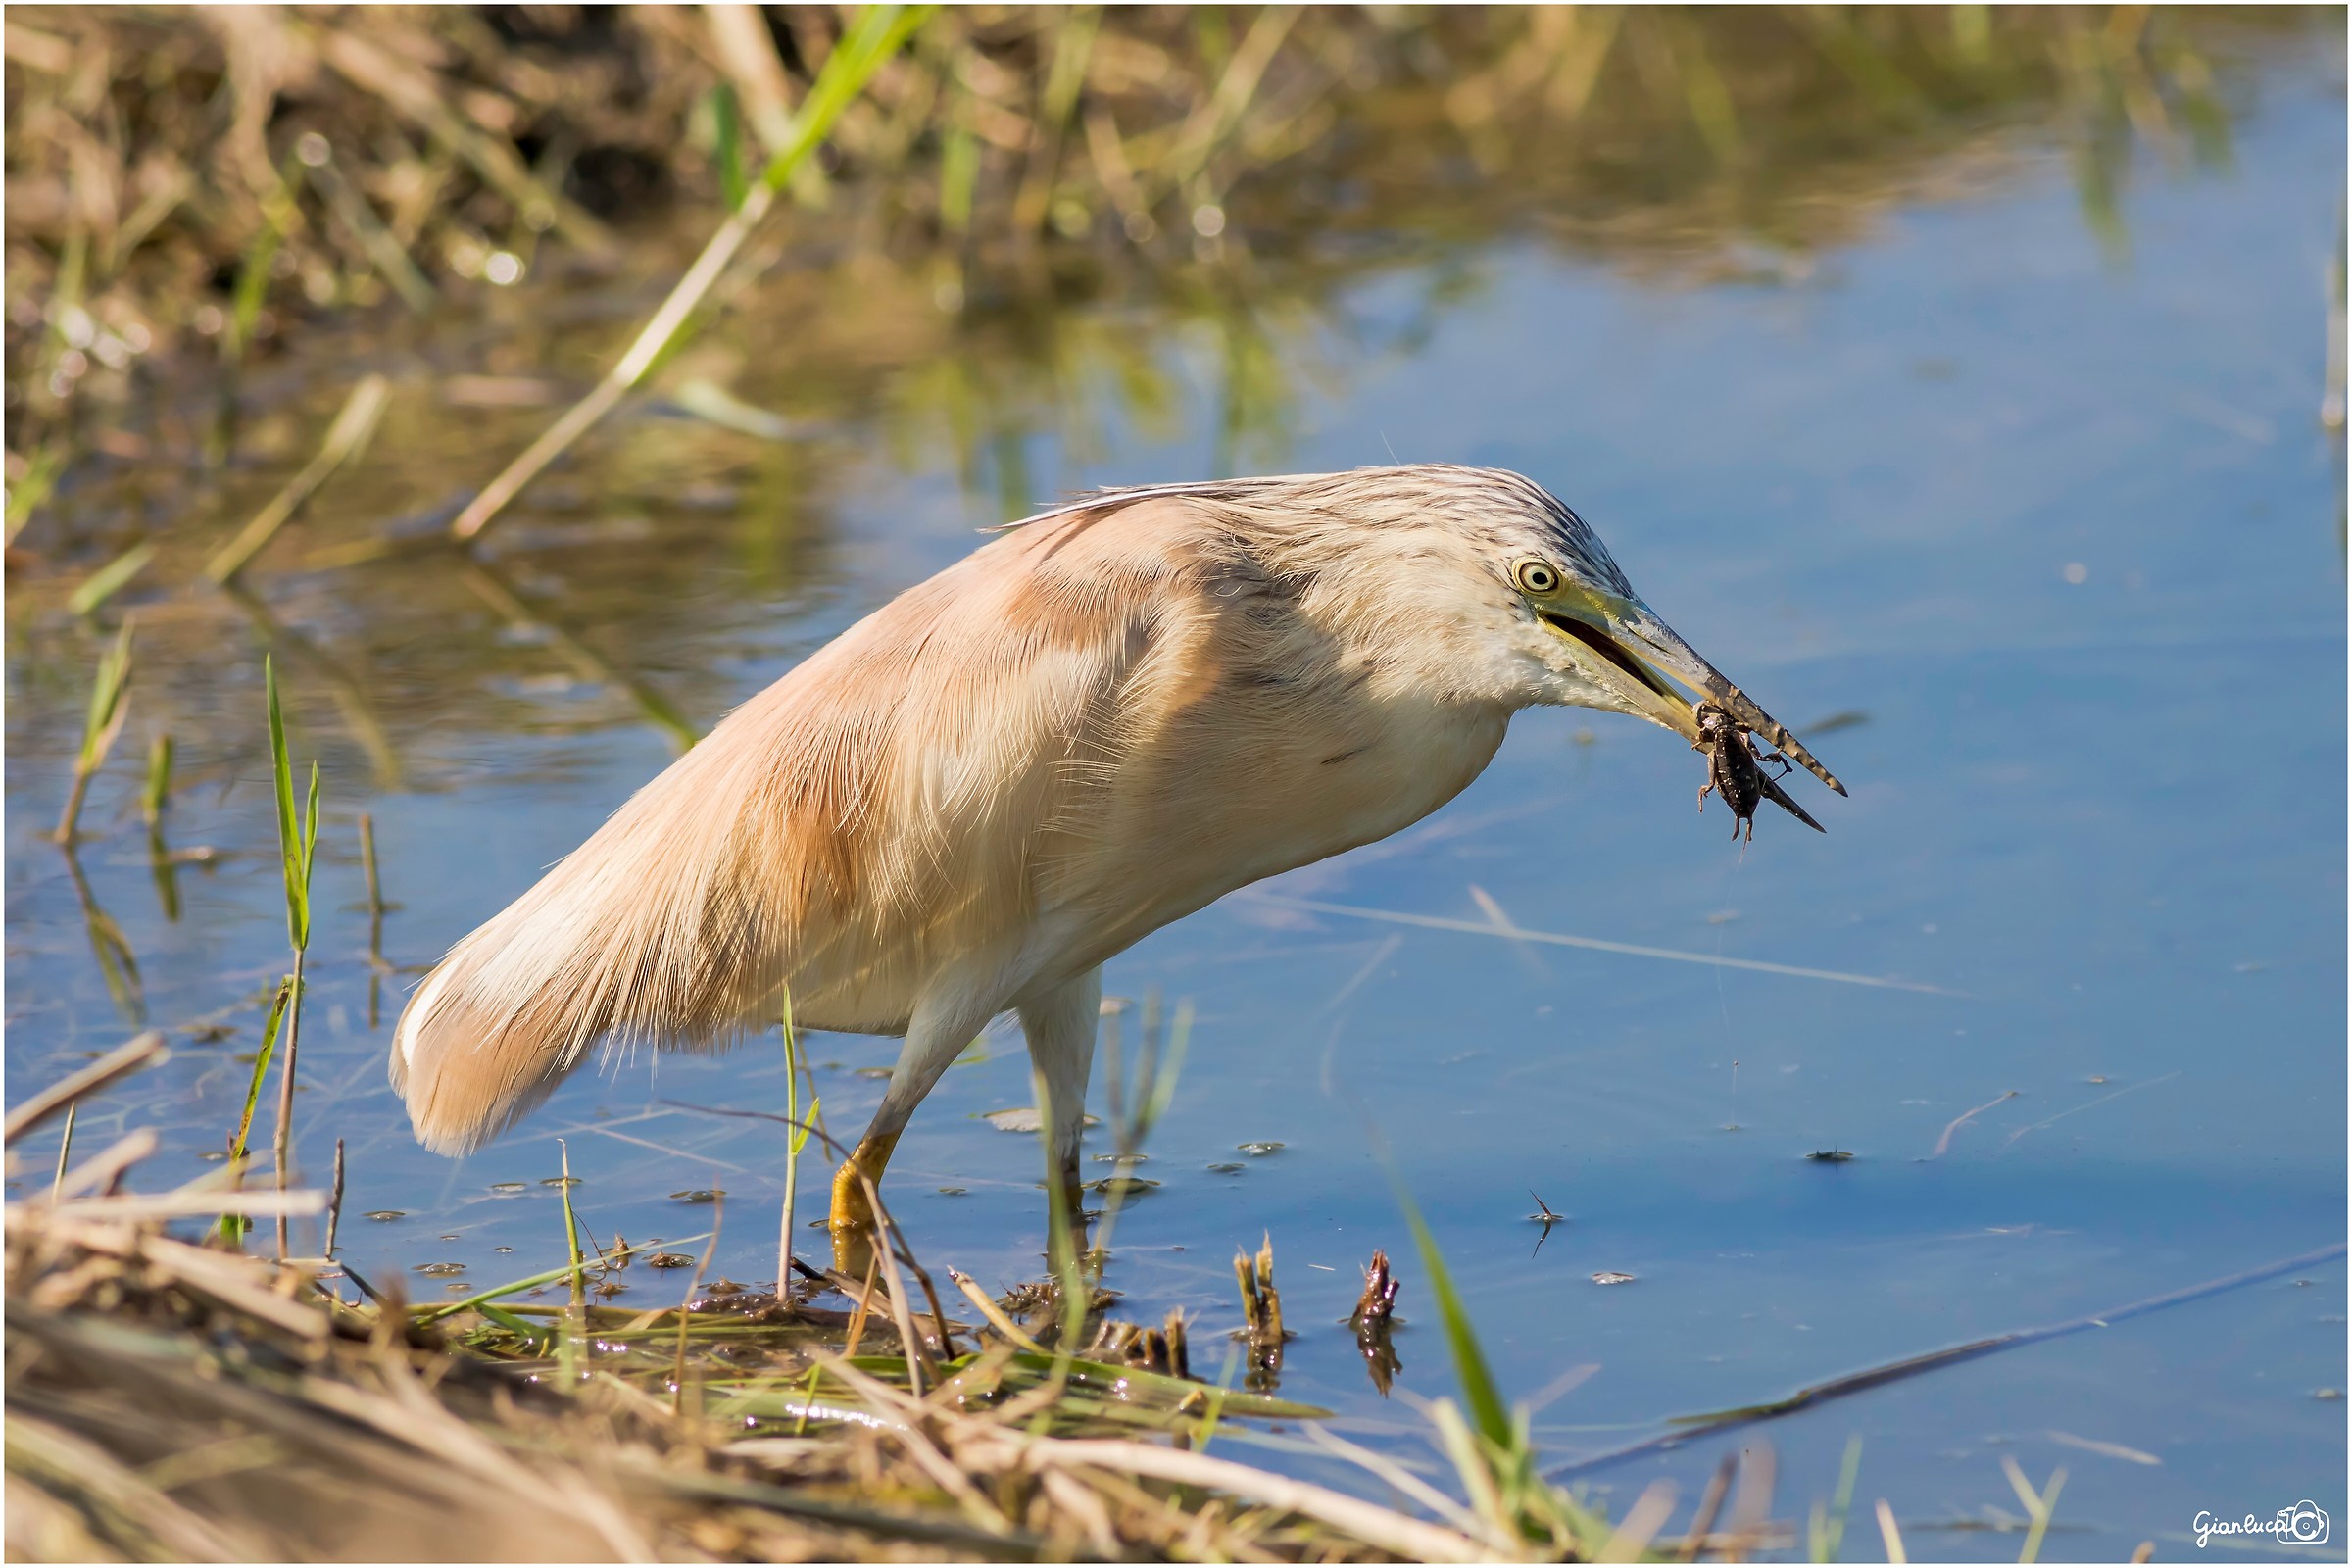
(1538, 576)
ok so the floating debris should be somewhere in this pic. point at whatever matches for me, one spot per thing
(698, 1195)
(1259, 1151)
(1121, 1186)
(1228, 1168)
(384, 1214)
(560, 1181)
(509, 1188)
(1831, 1157)
(1373, 1319)
(1022, 1120)
(1377, 1304)
(1544, 1217)
(954, 1191)
(669, 1260)
(1163, 1350)
(1611, 1276)
(440, 1268)
(1262, 1313)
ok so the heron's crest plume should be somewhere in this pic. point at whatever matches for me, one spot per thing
(1472, 496)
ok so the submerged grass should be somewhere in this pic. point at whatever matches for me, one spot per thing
(110, 705)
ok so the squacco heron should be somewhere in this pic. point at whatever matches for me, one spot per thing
(1103, 720)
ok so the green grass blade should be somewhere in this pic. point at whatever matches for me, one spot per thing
(729, 133)
(157, 793)
(1828, 1527)
(794, 1138)
(235, 1225)
(874, 38)
(106, 700)
(1487, 1411)
(28, 492)
(310, 845)
(107, 580)
(253, 276)
(289, 836)
(260, 1065)
(564, 1271)
(1162, 1089)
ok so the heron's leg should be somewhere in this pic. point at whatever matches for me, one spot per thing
(944, 1023)
(1060, 1026)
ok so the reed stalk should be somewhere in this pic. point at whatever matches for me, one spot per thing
(796, 1138)
(297, 842)
(870, 44)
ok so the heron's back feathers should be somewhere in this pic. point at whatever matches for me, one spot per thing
(662, 926)
(884, 803)
(1111, 718)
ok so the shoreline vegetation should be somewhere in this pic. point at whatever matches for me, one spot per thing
(172, 1400)
(288, 290)
(177, 1400)
(194, 196)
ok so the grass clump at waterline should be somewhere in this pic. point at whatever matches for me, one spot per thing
(173, 1400)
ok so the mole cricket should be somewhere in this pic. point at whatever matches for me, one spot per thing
(1735, 770)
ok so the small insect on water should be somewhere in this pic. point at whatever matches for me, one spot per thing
(1736, 771)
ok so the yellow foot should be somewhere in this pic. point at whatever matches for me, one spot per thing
(853, 1210)
(852, 1250)
(852, 1217)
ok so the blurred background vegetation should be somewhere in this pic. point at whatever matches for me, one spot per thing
(258, 254)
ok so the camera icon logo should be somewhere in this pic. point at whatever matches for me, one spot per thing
(2306, 1523)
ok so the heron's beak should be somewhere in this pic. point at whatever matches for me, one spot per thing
(1639, 653)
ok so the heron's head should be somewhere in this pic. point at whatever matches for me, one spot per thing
(1527, 592)
(1477, 580)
